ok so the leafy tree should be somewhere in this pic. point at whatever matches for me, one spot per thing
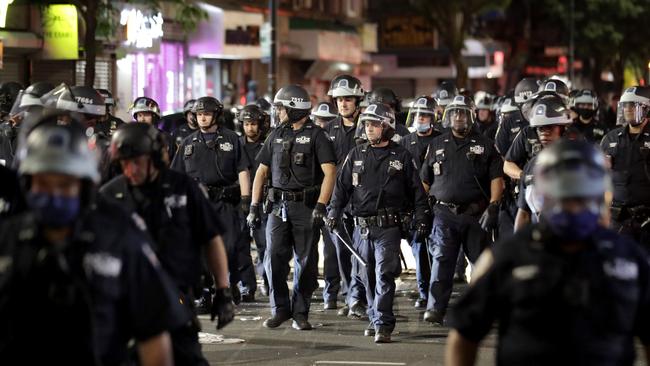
(608, 34)
(452, 20)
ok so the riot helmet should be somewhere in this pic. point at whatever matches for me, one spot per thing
(253, 114)
(324, 113)
(634, 106)
(445, 93)
(459, 115)
(131, 140)
(422, 114)
(295, 100)
(585, 103)
(379, 115)
(385, 96)
(146, 105)
(207, 104)
(345, 86)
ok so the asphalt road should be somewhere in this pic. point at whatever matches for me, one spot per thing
(334, 340)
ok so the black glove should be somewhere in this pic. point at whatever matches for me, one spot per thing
(490, 218)
(431, 200)
(244, 204)
(254, 219)
(407, 225)
(222, 307)
(319, 214)
(422, 231)
(331, 223)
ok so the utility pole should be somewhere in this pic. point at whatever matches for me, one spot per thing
(273, 12)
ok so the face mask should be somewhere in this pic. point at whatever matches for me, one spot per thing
(585, 113)
(54, 210)
(422, 128)
(573, 226)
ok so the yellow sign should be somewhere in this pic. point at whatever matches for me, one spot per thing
(60, 37)
(4, 4)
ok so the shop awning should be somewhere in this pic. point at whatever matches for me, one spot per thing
(26, 41)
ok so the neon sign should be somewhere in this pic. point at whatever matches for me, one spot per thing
(141, 30)
(4, 4)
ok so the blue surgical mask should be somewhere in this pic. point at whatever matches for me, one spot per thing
(573, 226)
(422, 128)
(54, 210)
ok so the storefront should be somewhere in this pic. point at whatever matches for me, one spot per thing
(224, 55)
(153, 64)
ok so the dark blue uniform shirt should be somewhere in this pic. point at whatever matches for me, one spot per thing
(294, 157)
(460, 171)
(556, 307)
(215, 160)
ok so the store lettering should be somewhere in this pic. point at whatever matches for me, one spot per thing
(141, 29)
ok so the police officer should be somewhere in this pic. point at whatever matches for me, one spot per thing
(8, 93)
(513, 122)
(586, 124)
(565, 290)
(147, 110)
(299, 160)
(487, 124)
(526, 144)
(347, 92)
(108, 123)
(214, 157)
(181, 221)
(322, 116)
(462, 173)
(187, 128)
(627, 151)
(550, 118)
(443, 95)
(324, 113)
(422, 118)
(28, 106)
(387, 96)
(79, 263)
(252, 120)
(378, 209)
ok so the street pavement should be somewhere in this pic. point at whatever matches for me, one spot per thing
(338, 340)
(334, 340)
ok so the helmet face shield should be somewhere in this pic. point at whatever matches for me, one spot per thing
(458, 118)
(421, 120)
(632, 113)
(275, 115)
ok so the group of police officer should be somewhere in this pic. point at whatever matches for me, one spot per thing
(119, 231)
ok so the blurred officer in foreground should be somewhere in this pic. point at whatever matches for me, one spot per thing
(181, 222)
(376, 178)
(627, 150)
(79, 263)
(564, 291)
(421, 117)
(299, 159)
(462, 173)
(347, 92)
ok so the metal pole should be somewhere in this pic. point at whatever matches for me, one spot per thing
(571, 41)
(273, 12)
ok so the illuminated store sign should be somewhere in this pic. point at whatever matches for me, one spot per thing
(4, 4)
(60, 36)
(142, 30)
